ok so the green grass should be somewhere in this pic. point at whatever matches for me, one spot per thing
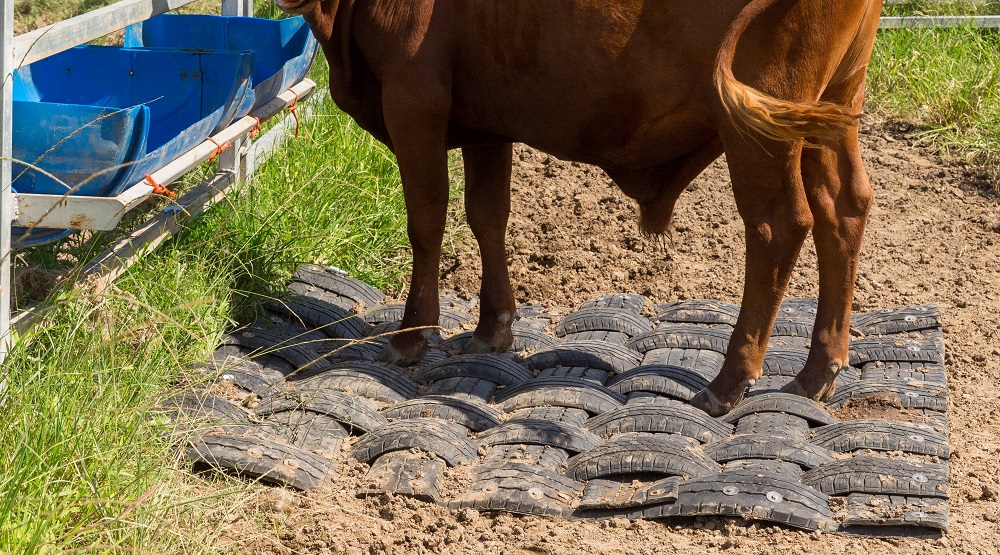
(79, 449)
(943, 82)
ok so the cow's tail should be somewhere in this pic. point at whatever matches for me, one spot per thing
(774, 118)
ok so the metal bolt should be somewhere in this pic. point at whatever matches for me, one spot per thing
(911, 394)
(774, 497)
(255, 452)
(730, 490)
(910, 318)
(919, 478)
(536, 493)
(917, 438)
(489, 488)
(656, 492)
(291, 463)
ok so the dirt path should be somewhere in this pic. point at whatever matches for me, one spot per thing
(934, 237)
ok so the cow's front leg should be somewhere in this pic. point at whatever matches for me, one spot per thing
(487, 207)
(772, 203)
(417, 119)
(840, 196)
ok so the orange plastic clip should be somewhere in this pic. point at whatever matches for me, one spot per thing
(219, 149)
(159, 189)
(293, 108)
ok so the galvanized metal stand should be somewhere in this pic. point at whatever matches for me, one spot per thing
(235, 163)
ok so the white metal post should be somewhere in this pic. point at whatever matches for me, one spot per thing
(6, 195)
(237, 7)
(232, 161)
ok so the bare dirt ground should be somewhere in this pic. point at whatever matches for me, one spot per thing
(933, 237)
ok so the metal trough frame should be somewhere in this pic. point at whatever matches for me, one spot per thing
(105, 213)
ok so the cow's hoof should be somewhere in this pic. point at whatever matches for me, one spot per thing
(478, 346)
(399, 357)
(708, 402)
(824, 392)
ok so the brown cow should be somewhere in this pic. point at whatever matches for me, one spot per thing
(645, 89)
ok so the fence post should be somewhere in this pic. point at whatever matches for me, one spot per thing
(6, 194)
(237, 7)
(232, 160)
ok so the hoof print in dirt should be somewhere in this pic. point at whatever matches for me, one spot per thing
(588, 417)
(259, 459)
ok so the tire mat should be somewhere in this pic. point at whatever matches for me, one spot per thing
(590, 354)
(865, 510)
(777, 424)
(408, 474)
(600, 494)
(882, 435)
(338, 283)
(767, 447)
(603, 319)
(374, 380)
(680, 336)
(672, 381)
(882, 365)
(698, 312)
(520, 489)
(493, 367)
(474, 415)
(260, 459)
(353, 411)
(909, 395)
(560, 392)
(782, 402)
(541, 432)
(880, 476)
(621, 301)
(438, 437)
(333, 320)
(625, 455)
(660, 416)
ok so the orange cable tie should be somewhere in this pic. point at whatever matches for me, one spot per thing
(293, 108)
(219, 149)
(256, 126)
(159, 189)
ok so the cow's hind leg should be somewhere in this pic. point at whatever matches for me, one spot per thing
(839, 196)
(487, 207)
(416, 117)
(771, 201)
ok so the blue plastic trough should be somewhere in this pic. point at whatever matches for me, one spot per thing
(93, 120)
(283, 49)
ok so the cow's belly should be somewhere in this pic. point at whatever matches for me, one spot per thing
(620, 128)
(632, 91)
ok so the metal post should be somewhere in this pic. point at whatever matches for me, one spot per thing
(6, 195)
(232, 161)
(237, 7)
